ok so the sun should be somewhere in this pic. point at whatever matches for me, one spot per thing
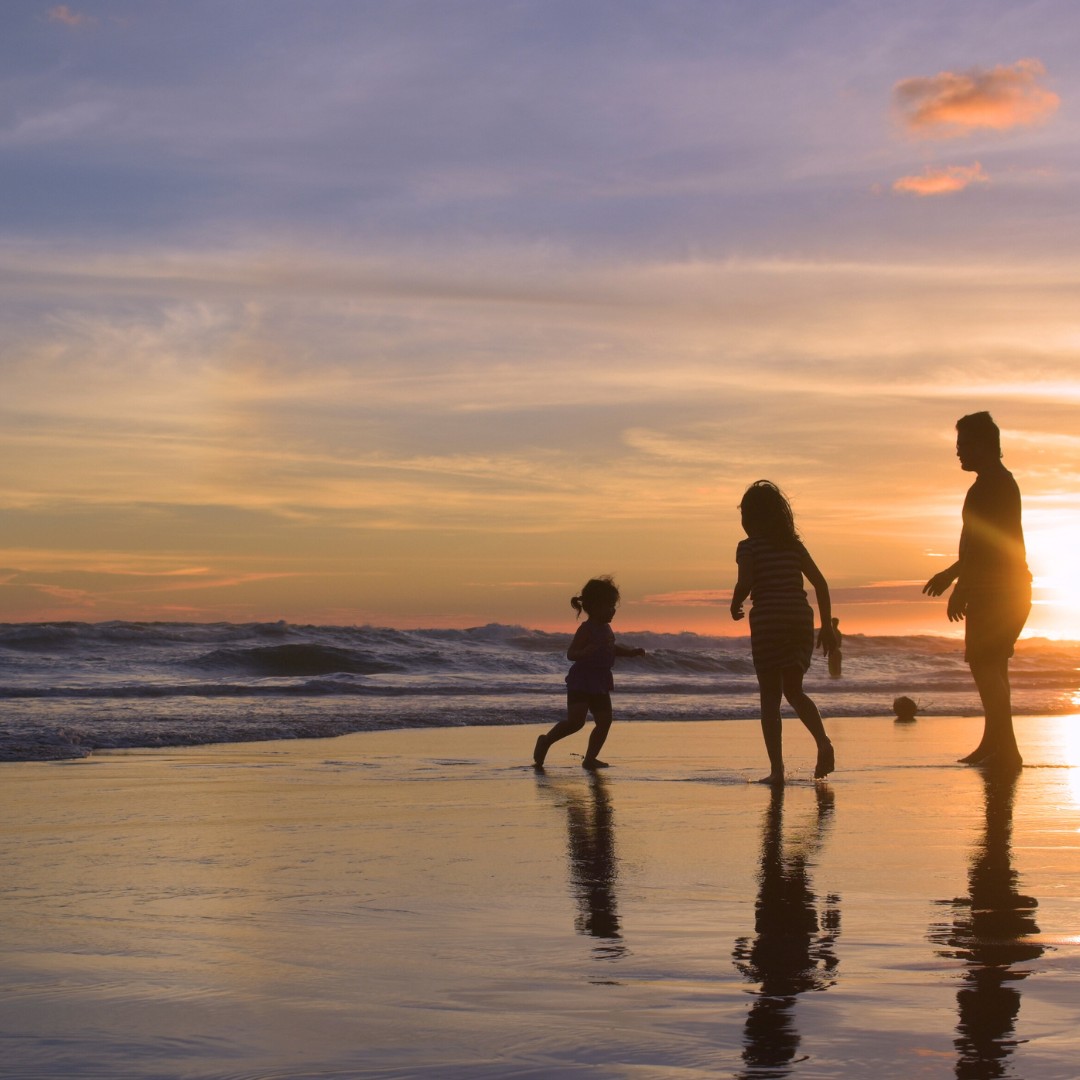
(1053, 547)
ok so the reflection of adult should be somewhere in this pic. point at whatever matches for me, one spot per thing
(993, 931)
(993, 584)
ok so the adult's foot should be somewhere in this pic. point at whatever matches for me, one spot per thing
(826, 761)
(978, 754)
(1001, 761)
(540, 751)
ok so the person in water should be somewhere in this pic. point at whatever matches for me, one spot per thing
(836, 657)
(772, 562)
(589, 682)
(992, 591)
(905, 709)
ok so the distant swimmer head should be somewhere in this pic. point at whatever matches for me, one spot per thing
(599, 598)
(766, 512)
(905, 709)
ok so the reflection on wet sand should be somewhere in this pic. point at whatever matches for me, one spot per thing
(593, 863)
(792, 950)
(991, 932)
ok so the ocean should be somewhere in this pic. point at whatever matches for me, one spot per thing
(70, 688)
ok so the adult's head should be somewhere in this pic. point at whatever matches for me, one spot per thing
(978, 441)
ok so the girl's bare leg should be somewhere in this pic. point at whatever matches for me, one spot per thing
(808, 713)
(771, 685)
(576, 715)
(596, 741)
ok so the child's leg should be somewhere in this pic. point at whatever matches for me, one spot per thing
(771, 685)
(808, 713)
(602, 720)
(577, 713)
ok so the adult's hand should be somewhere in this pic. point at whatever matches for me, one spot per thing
(939, 583)
(957, 605)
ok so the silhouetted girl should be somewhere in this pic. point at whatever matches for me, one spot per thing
(589, 682)
(772, 562)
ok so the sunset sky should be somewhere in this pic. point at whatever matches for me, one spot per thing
(422, 313)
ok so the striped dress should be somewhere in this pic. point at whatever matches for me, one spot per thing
(781, 619)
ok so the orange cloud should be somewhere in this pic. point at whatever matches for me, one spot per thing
(63, 14)
(944, 181)
(689, 598)
(952, 103)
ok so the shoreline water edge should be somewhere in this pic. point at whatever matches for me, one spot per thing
(70, 688)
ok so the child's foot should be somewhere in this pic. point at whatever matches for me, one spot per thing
(540, 751)
(594, 763)
(775, 778)
(826, 761)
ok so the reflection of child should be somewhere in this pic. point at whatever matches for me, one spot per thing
(589, 682)
(905, 710)
(772, 562)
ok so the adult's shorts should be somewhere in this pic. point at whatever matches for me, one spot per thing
(993, 621)
(596, 702)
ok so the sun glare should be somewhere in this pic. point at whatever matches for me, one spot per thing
(1068, 752)
(1052, 555)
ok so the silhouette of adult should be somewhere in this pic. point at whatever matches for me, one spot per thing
(993, 932)
(793, 948)
(993, 584)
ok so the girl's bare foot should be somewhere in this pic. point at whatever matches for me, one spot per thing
(826, 761)
(773, 778)
(594, 763)
(540, 751)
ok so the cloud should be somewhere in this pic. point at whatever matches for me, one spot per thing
(689, 598)
(943, 181)
(955, 103)
(75, 19)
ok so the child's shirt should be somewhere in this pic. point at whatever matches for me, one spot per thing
(776, 578)
(592, 675)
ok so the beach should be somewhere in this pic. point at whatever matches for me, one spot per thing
(424, 903)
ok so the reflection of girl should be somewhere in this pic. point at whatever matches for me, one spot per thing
(793, 948)
(589, 682)
(772, 562)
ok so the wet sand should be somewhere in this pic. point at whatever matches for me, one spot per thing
(424, 904)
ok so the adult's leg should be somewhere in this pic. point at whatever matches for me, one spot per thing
(771, 685)
(602, 722)
(577, 713)
(998, 748)
(808, 713)
(993, 622)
